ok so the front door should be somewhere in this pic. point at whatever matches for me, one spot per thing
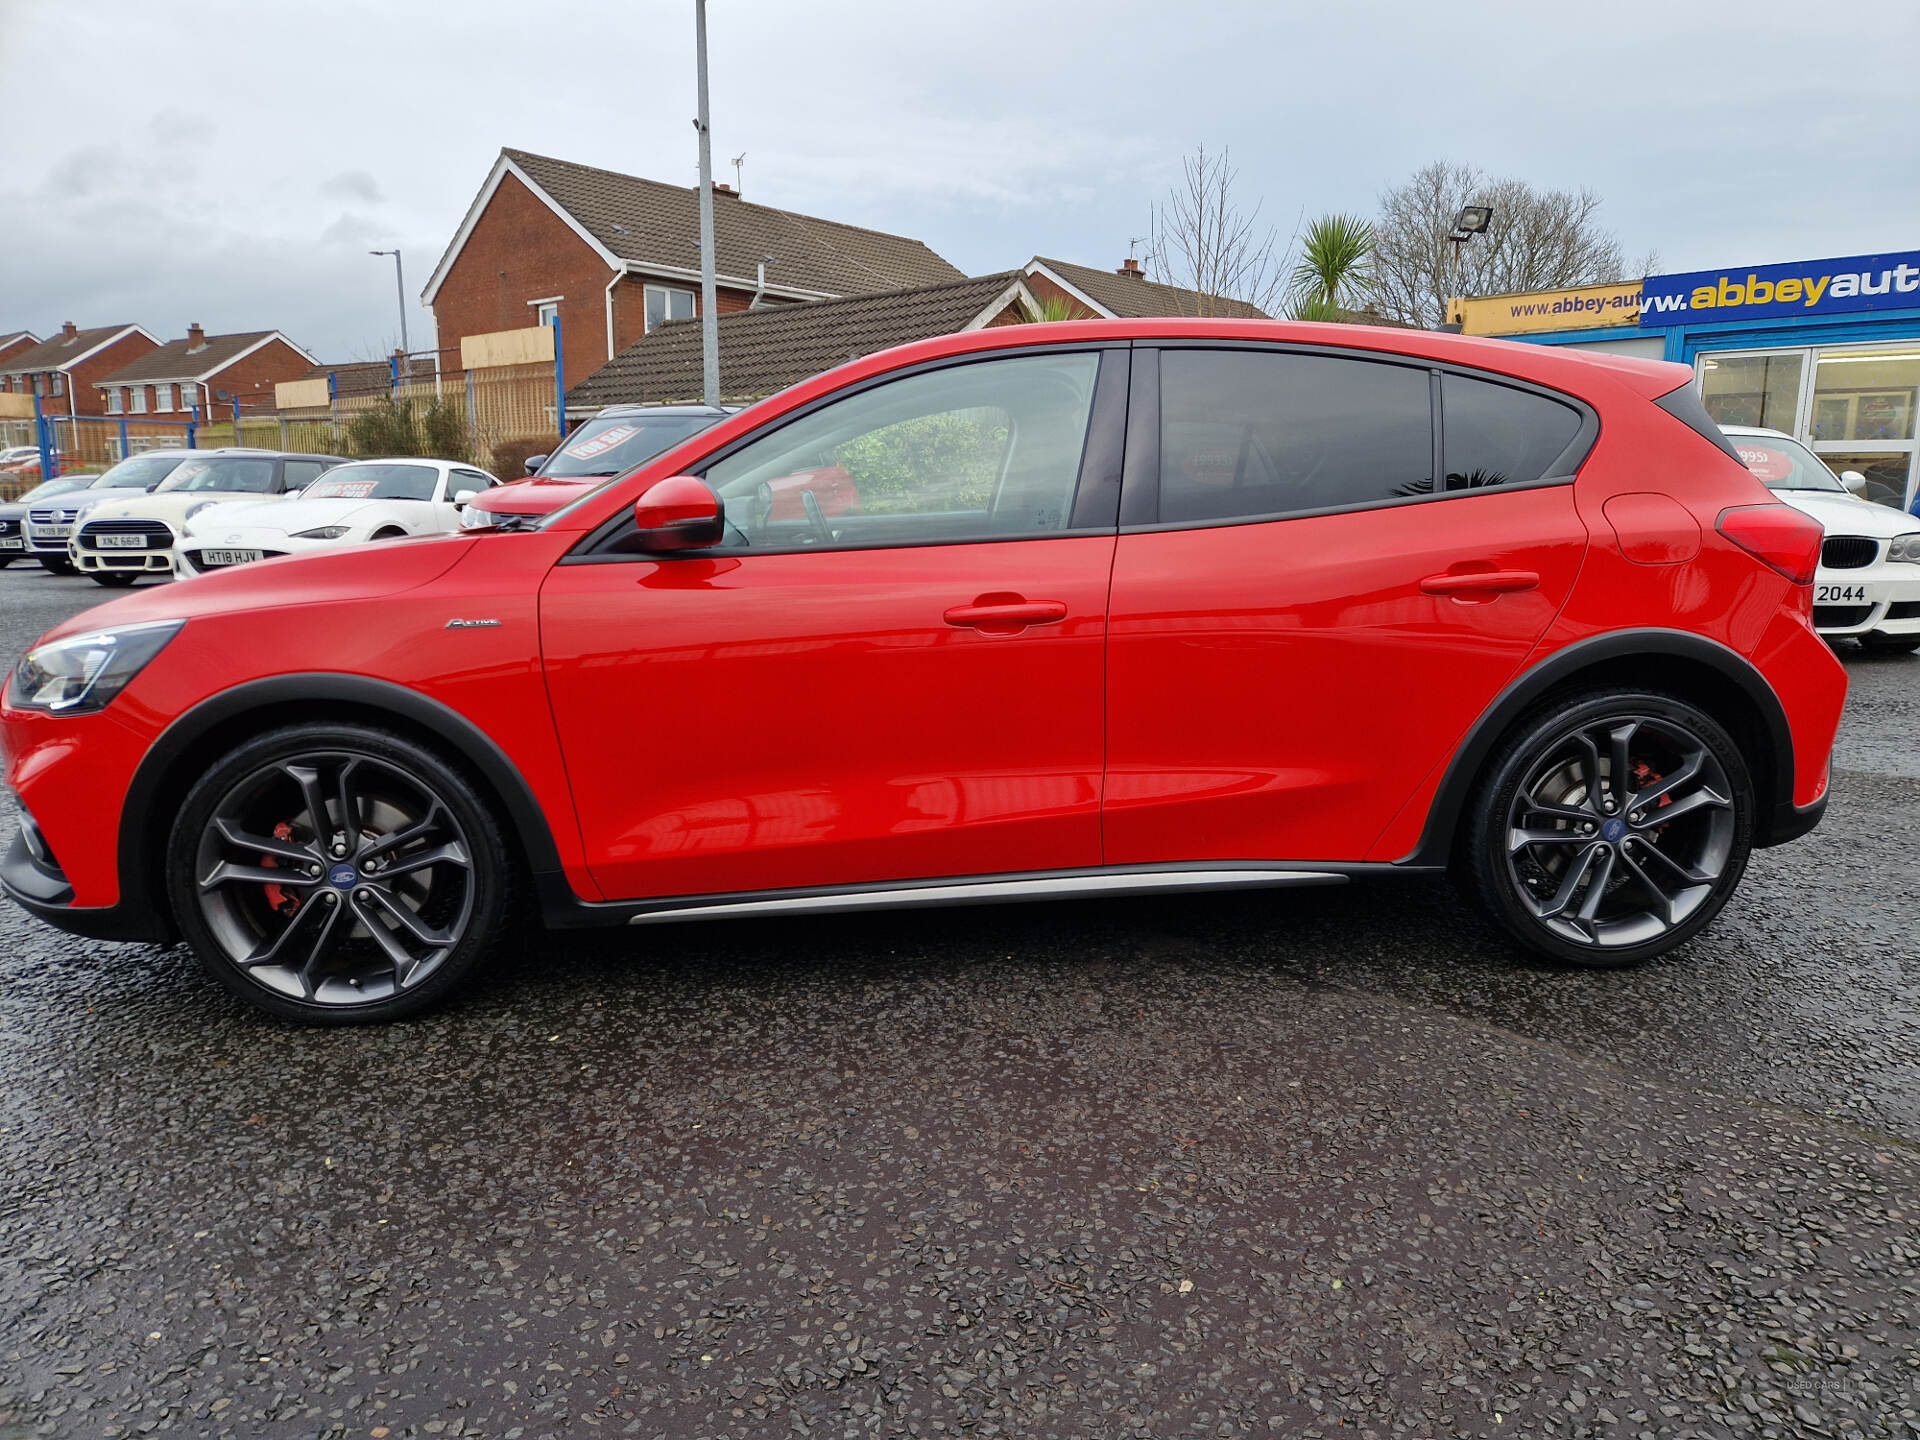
(1321, 602)
(889, 669)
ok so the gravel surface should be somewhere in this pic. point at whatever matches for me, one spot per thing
(1323, 1163)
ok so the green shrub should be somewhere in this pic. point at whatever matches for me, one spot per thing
(436, 429)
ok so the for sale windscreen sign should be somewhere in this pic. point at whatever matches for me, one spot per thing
(1767, 292)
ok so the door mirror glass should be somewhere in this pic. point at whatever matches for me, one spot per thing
(677, 513)
(461, 497)
(1854, 481)
(534, 462)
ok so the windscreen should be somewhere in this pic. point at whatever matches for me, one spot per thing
(249, 474)
(139, 472)
(1783, 464)
(612, 445)
(374, 482)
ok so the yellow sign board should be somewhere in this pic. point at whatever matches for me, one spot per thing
(1579, 307)
(530, 346)
(302, 394)
(15, 406)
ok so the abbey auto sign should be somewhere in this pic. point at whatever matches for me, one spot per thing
(1767, 292)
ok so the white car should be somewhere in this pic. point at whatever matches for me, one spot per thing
(361, 500)
(117, 542)
(1868, 585)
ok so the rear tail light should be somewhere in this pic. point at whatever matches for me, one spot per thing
(1778, 536)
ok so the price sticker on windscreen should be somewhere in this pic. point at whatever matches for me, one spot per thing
(1766, 464)
(601, 443)
(341, 490)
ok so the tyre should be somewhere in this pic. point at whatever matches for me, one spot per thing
(1890, 644)
(116, 579)
(1610, 827)
(338, 874)
(58, 565)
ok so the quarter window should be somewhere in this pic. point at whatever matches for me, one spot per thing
(1247, 434)
(1497, 435)
(977, 451)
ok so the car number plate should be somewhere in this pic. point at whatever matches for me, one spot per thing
(12, 542)
(1842, 595)
(47, 532)
(228, 557)
(121, 542)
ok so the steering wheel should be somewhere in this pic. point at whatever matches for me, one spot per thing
(816, 517)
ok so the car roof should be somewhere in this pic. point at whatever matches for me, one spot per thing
(1755, 430)
(627, 412)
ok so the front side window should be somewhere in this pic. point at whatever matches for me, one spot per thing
(301, 473)
(976, 451)
(1497, 435)
(474, 480)
(366, 482)
(664, 304)
(1246, 434)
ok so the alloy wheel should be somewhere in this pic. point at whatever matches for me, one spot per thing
(1620, 830)
(335, 878)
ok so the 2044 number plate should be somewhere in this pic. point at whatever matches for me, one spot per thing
(1841, 595)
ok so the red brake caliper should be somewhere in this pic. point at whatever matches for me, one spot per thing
(1643, 776)
(277, 898)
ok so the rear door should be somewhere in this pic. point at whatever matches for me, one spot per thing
(1329, 564)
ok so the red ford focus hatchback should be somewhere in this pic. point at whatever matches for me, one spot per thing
(1038, 611)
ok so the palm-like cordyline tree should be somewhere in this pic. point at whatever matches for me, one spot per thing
(1335, 272)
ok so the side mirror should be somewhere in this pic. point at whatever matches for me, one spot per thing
(1854, 481)
(461, 497)
(534, 462)
(678, 513)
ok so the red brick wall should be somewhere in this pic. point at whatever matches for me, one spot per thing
(16, 346)
(85, 399)
(630, 311)
(252, 377)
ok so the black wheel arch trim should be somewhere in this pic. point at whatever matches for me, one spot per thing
(138, 895)
(1780, 822)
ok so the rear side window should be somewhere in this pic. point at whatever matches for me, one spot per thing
(1246, 433)
(1497, 435)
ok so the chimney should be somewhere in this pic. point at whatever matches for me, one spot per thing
(69, 330)
(720, 187)
(1131, 266)
(196, 338)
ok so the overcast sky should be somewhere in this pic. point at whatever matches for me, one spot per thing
(233, 163)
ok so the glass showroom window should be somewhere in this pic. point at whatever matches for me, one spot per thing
(664, 305)
(1754, 389)
(1863, 417)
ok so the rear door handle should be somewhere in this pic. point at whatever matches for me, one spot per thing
(1497, 582)
(1008, 615)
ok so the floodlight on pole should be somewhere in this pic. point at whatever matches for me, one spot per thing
(400, 292)
(709, 320)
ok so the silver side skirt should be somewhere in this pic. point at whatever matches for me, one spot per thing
(993, 892)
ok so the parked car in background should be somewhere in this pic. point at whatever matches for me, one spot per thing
(356, 501)
(24, 463)
(1124, 607)
(50, 525)
(1868, 586)
(13, 515)
(611, 443)
(15, 455)
(120, 541)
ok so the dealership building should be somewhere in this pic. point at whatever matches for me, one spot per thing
(1828, 350)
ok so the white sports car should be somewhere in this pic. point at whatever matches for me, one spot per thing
(361, 500)
(1868, 585)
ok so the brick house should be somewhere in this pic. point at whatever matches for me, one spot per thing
(766, 350)
(63, 370)
(15, 341)
(202, 370)
(615, 255)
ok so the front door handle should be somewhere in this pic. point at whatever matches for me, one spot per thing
(1495, 582)
(986, 614)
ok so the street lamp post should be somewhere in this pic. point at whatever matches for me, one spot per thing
(709, 320)
(1471, 221)
(400, 292)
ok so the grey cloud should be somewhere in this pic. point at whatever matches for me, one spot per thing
(353, 185)
(178, 127)
(85, 173)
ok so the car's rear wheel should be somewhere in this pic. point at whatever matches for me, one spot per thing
(58, 565)
(1611, 827)
(116, 579)
(1891, 644)
(338, 874)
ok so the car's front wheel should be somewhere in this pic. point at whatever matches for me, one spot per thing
(1611, 827)
(338, 874)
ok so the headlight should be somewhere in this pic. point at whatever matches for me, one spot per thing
(474, 518)
(325, 532)
(82, 673)
(1905, 548)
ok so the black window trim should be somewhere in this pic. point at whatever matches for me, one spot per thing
(1099, 484)
(1140, 495)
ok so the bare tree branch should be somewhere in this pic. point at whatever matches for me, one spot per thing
(1202, 241)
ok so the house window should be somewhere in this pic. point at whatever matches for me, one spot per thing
(59, 383)
(139, 406)
(189, 396)
(547, 313)
(664, 305)
(163, 398)
(116, 401)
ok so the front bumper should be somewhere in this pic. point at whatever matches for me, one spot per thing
(33, 880)
(137, 562)
(1882, 599)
